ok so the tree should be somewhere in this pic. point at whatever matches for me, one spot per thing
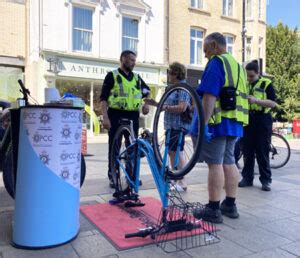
(283, 62)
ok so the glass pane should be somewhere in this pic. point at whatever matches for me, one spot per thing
(229, 49)
(200, 4)
(82, 40)
(82, 18)
(193, 33)
(249, 8)
(9, 87)
(130, 27)
(224, 7)
(192, 51)
(199, 52)
(229, 40)
(129, 44)
(230, 7)
(193, 3)
(199, 34)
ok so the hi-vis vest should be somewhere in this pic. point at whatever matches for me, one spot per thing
(125, 95)
(241, 113)
(259, 92)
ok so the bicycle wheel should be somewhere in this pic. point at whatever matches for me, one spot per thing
(280, 151)
(9, 179)
(122, 157)
(171, 130)
(83, 170)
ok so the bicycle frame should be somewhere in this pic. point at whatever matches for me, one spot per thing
(158, 173)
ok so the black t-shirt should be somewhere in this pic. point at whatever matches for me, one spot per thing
(270, 91)
(109, 82)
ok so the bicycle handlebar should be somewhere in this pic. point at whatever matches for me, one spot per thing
(141, 233)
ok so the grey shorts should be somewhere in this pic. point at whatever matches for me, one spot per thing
(219, 150)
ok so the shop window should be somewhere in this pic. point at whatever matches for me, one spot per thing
(130, 29)
(9, 87)
(82, 29)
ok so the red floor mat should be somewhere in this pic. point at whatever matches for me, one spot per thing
(114, 221)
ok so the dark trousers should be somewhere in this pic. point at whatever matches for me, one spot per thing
(115, 117)
(256, 143)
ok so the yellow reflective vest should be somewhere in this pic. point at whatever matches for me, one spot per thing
(241, 113)
(125, 95)
(259, 92)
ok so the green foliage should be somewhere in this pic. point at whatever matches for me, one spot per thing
(283, 62)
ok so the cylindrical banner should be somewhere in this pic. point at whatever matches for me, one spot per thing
(84, 140)
(48, 177)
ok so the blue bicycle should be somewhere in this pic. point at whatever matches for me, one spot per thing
(127, 151)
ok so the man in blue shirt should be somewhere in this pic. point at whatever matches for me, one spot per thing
(220, 138)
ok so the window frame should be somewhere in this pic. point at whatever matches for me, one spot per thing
(260, 10)
(82, 29)
(130, 37)
(230, 44)
(196, 40)
(199, 4)
(251, 9)
(249, 46)
(226, 13)
(260, 47)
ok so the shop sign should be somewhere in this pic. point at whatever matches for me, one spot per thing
(68, 67)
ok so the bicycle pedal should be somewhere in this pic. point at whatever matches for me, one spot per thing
(133, 204)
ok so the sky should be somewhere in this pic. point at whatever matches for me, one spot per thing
(286, 11)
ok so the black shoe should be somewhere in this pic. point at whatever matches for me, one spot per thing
(229, 211)
(245, 183)
(208, 214)
(266, 187)
(111, 183)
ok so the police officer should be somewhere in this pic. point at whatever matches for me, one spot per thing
(121, 97)
(257, 135)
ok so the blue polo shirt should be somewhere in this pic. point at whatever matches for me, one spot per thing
(212, 81)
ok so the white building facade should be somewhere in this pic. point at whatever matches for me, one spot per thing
(74, 43)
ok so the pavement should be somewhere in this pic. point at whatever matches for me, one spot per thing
(268, 226)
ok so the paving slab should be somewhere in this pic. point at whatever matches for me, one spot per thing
(58, 252)
(268, 213)
(293, 248)
(224, 249)
(255, 239)
(5, 228)
(272, 254)
(286, 228)
(93, 246)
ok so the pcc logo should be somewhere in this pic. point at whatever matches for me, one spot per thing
(45, 138)
(66, 114)
(68, 156)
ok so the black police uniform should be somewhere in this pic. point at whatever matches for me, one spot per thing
(115, 115)
(256, 141)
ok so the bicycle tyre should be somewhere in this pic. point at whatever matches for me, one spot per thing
(116, 171)
(286, 160)
(8, 173)
(172, 174)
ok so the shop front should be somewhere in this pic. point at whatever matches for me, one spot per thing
(11, 70)
(84, 77)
